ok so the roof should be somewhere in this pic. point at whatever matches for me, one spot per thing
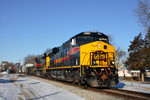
(90, 33)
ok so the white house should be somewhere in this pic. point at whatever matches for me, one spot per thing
(24, 67)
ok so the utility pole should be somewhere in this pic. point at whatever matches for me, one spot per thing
(20, 69)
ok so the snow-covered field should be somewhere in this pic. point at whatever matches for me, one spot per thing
(13, 87)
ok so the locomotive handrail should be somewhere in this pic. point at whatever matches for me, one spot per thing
(107, 72)
(118, 61)
(100, 73)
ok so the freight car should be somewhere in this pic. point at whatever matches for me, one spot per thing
(86, 58)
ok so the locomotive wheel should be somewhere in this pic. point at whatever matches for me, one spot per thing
(79, 84)
(49, 75)
(43, 75)
(68, 77)
(73, 77)
(77, 77)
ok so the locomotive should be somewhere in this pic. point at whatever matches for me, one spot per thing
(86, 58)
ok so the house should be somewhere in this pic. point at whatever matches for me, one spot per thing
(4, 65)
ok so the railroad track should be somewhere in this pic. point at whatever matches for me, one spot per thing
(132, 95)
(122, 93)
(125, 94)
(27, 91)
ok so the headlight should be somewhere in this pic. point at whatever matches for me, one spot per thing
(94, 62)
(112, 62)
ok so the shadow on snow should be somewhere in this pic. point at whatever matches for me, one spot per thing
(35, 83)
(46, 95)
(9, 80)
(120, 85)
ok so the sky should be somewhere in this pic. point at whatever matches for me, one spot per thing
(32, 26)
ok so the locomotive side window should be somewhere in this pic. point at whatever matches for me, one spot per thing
(65, 53)
(64, 46)
(68, 44)
(61, 54)
(73, 41)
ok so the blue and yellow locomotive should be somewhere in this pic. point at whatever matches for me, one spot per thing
(86, 58)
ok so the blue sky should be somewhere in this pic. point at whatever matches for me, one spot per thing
(32, 26)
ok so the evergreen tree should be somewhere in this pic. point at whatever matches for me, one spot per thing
(139, 54)
(135, 59)
(147, 49)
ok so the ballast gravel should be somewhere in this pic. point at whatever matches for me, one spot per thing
(87, 94)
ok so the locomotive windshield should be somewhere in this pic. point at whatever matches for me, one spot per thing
(91, 37)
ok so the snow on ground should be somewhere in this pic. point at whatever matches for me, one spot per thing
(13, 87)
(134, 86)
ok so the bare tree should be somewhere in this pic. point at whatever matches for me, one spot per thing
(47, 49)
(121, 54)
(111, 39)
(29, 59)
(143, 12)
